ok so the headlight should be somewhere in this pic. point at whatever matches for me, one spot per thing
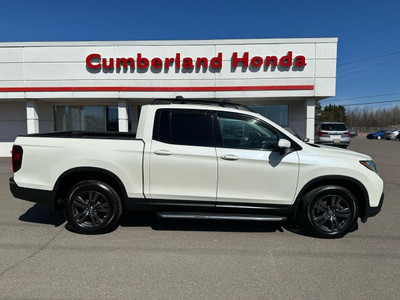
(369, 164)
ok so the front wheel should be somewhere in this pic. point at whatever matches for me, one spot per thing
(329, 211)
(92, 207)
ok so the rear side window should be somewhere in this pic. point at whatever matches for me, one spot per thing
(333, 127)
(183, 127)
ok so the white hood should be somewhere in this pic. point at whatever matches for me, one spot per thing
(335, 151)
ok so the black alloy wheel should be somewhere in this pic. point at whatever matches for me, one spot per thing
(93, 207)
(329, 211)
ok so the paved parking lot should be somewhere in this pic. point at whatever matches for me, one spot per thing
(146, 258)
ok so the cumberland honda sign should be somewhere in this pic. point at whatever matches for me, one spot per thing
(250, 67)
(96, 61)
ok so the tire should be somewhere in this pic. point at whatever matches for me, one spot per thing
(329, 211)
(92, 207)
(379, 137)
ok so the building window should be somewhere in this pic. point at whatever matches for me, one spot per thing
(276, 113)
(67, 118)
(94, 118)
(112, 118)
(87, 118)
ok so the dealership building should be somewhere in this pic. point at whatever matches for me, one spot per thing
(101, 86)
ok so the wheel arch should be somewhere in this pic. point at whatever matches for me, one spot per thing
(73, 176)
(353, 185)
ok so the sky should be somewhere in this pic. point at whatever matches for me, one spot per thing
(368, 31)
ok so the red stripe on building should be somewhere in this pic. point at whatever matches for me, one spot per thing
(158, 89)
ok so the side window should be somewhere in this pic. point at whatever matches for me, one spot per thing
(246, 133)
(183, 127)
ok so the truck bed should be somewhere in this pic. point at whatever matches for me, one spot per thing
(46, 157)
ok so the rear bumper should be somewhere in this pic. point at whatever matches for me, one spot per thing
(334, 144)
(373, 211)
(330, 141)
(33, 195)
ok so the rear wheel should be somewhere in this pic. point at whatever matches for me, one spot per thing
(93, 207)
(379, 137)
(329, 211)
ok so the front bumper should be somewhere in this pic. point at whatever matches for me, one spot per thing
(373, 211)
(33, 195)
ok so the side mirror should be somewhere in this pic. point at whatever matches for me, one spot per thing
(284, 146)
(306, 140)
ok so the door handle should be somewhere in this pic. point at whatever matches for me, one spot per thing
(229, 157)
(163, 152)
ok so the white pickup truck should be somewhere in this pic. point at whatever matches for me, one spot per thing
(197, 159)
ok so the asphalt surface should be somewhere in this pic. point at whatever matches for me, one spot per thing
(146, 258)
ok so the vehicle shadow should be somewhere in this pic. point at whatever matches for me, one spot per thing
(155, 223)
(42, 214)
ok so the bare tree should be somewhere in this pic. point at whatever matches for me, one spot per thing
(381, 117)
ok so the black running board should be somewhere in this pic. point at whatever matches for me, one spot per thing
(220, 216)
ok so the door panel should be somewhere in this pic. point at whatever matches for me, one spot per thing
(263, 177)
(250, 169)
(184, 173)
(183, 161)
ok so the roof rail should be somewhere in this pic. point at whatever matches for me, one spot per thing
(181, 100)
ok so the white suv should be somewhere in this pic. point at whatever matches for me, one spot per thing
(332, 133)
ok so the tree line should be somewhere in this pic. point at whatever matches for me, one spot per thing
(358, 117)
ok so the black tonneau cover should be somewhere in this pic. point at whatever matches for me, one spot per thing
(86, 135)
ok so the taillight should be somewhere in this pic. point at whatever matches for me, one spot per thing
(322, 133)
(16, 158)
(346, 133)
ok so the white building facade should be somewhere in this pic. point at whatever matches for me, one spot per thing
(55, 86)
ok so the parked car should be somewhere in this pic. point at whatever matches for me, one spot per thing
(353, 133)
(391, 134)
(332, 133)
(197, 161)
(377, 135)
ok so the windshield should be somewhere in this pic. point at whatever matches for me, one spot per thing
(334, 127)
